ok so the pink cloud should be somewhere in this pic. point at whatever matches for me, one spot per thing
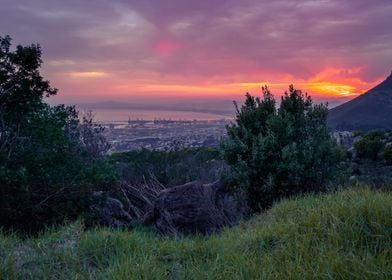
(166, 47)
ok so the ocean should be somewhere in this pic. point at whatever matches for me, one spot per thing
(122, 115)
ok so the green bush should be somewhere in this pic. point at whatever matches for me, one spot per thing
(277, 152)
(388, 155)
(50, 161)
(370, 145)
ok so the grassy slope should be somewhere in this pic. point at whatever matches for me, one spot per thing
(346, 235)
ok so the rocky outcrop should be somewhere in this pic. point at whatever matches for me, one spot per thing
(193, 208)
(347, 139)
(344, 138)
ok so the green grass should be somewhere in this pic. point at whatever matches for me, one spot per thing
(344, 235)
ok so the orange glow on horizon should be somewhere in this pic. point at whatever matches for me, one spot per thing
(92, 74)
(331, 83)
(319, 89)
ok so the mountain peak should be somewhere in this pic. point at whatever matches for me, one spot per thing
(386, 85)
(371, 110)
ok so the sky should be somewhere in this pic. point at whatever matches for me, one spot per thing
(165, 50)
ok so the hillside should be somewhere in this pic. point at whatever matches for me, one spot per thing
(344, 235)
(371, 110)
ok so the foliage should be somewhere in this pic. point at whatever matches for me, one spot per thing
(275, 153)
(344, 235)
(170, 168)
(49, 160)
(388, 154)
(370, 145)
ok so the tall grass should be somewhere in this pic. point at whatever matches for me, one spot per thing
(344, 235)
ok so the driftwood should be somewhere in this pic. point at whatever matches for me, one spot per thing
(140, 198)
(193, 208)
(187, 209)
(131, 204)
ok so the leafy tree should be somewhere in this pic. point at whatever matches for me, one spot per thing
(277, 152)
(21, 92)
(50, 161)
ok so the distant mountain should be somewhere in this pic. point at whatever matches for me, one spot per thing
(371, 110)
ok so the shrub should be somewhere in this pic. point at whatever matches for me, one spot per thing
(388, 154)
(273, 153)
(370, 145)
